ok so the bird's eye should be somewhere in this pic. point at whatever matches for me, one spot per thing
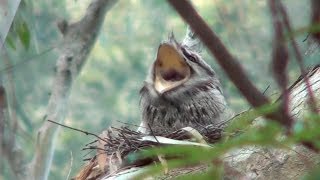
(192, 58)
(189, 56)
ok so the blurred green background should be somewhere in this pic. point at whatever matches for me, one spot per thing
(106, 91)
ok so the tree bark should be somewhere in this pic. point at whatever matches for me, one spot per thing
(78, 39)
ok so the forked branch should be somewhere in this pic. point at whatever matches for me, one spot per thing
(78, 39)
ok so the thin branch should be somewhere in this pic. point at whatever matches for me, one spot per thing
(230, 65)
(2, 119)
(71, 164)
(27, 60)
(280, 59)
(130, 124)
(306, 38)
(152, 133)
(265, 91)
(299, 58)
(92, 147)
(79, 130)
(315, 19)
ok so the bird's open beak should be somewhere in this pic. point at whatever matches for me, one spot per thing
(170, 68)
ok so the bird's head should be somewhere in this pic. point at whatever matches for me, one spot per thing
(179, 65)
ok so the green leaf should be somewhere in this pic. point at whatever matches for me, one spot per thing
(243, 120)
(24, 35)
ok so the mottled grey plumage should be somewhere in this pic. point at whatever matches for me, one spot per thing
(195, 101)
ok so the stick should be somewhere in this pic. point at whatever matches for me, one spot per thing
(79, 130)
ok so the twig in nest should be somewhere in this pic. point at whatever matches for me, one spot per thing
(130, 124)
(79, 130)
(88, 144)
(85, 155)
(306, 37)
(152, 133)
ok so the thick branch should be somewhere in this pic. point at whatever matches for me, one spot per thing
(75, 47)
(229, 64)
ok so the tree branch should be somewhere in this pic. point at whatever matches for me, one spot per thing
(75, 47)
(2, 112)
(315, 19)
(299, 58)
(79, 130)
(10, 149)
(229, 64)
(280, 59)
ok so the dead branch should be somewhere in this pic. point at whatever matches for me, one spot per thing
(75, 129)
(77, 42)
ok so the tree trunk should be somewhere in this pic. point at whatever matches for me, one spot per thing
(78, 39)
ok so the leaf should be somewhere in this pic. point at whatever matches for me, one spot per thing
(24, 35)
(244, 120)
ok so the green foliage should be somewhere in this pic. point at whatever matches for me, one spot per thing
(313, 175)
(21, 32)
(245, 118)
(308, 130)
(24, 35)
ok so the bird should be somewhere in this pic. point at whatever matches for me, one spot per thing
(181, 90)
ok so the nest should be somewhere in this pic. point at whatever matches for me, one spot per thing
(124, 140)
(115, 145)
